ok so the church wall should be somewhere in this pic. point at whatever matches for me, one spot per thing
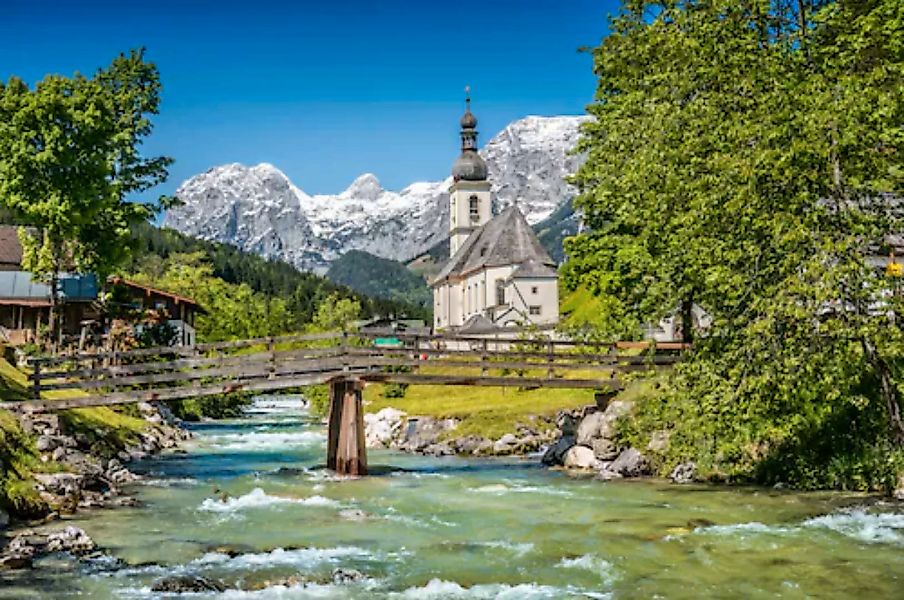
(546, 299)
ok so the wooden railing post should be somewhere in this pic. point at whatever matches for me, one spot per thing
(271, 348)
(551, 357)
(36, 385)
(484, 358)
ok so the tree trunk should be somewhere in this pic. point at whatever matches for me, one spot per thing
(887, 389)
(687, 320)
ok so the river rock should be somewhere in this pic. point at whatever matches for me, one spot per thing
(604, 449)
(60, 484)
(440, 449)
(425, 431)
(602, 424)
(12, 562)
(468, 444)
(353, 514)
(71, 539)
(381, 429)
(580, 457)
(630, 463)
(555, 454)
(685, 472)
(344, 575)
(187, 584)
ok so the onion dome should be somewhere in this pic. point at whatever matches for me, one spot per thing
(469, 166)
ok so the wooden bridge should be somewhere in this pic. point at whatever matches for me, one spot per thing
(345, 361)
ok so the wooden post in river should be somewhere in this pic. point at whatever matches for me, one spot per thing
(345, 452)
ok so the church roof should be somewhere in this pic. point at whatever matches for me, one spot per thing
(534, 270)
(507, 239)
(478, 324)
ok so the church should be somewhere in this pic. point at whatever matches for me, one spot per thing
(498, 275)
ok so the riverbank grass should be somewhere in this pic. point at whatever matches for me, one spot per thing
(490, 412)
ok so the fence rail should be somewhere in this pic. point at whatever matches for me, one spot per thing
(276, 363)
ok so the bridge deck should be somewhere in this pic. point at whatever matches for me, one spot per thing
(272, 364)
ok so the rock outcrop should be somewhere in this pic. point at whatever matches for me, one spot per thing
(27, 546)
(392, 428)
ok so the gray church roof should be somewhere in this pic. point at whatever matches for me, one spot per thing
(507, 239)
(534, 270)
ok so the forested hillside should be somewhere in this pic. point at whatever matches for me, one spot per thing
(155, 249)
(380, 278)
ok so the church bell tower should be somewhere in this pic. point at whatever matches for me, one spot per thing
(470, 201)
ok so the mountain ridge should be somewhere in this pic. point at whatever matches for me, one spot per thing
(259, 209)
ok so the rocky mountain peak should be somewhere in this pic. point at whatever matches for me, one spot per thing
(260, 210)
(365, 187)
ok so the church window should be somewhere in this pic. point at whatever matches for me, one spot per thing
(534, 290)
(500, 292)
(474, 208)
(535, 310)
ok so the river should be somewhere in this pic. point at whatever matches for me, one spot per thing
(461, 528)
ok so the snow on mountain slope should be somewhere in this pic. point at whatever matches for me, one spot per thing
(259, 210)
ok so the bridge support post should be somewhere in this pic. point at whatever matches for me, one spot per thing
(346, 453)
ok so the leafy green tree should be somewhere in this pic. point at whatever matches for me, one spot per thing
(69, 157)
(337, 314)
(740, 158)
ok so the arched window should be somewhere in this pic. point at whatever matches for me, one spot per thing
(500, 292)
(474, 208)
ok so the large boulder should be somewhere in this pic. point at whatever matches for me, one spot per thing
(602, 424)
(555, 454)
(425, 431)
(580, 457)
(381, 429)
(630, 463)
(685, 472)
(604, 449)
(899, 490)
(60, 484)
(659, 441)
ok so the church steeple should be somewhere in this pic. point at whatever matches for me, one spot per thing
(470, 199)
(469, 165)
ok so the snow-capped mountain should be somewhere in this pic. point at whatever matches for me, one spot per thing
(259, 210)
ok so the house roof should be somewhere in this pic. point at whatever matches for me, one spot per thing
(507, 239)
(10, 248)
(152, 290)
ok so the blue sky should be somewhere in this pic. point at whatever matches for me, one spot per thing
(323, 90)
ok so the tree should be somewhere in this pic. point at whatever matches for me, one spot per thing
(337, 313)
(741, 157)
(69, 157)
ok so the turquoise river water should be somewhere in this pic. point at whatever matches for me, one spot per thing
(460, 528)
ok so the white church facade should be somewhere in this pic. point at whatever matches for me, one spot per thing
(498, 274)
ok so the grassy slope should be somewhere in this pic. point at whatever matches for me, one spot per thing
(486, 411)
(107, 428)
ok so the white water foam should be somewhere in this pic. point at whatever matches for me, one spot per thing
(514, 488)
(258, 498)
(170, 482)
(301, 558)
(592, 563)
(439, 589)
(886, 528)
(516, 549)
(265, 440)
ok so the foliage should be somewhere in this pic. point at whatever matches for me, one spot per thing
(318, 397)
(739, 159)
(301, 292)
(380, 278)
(337, 314)
(221, 406)
(70, 156)
(232, 311)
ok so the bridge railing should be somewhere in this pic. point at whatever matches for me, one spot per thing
(283, 362)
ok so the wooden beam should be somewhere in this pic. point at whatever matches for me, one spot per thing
(477, 380)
